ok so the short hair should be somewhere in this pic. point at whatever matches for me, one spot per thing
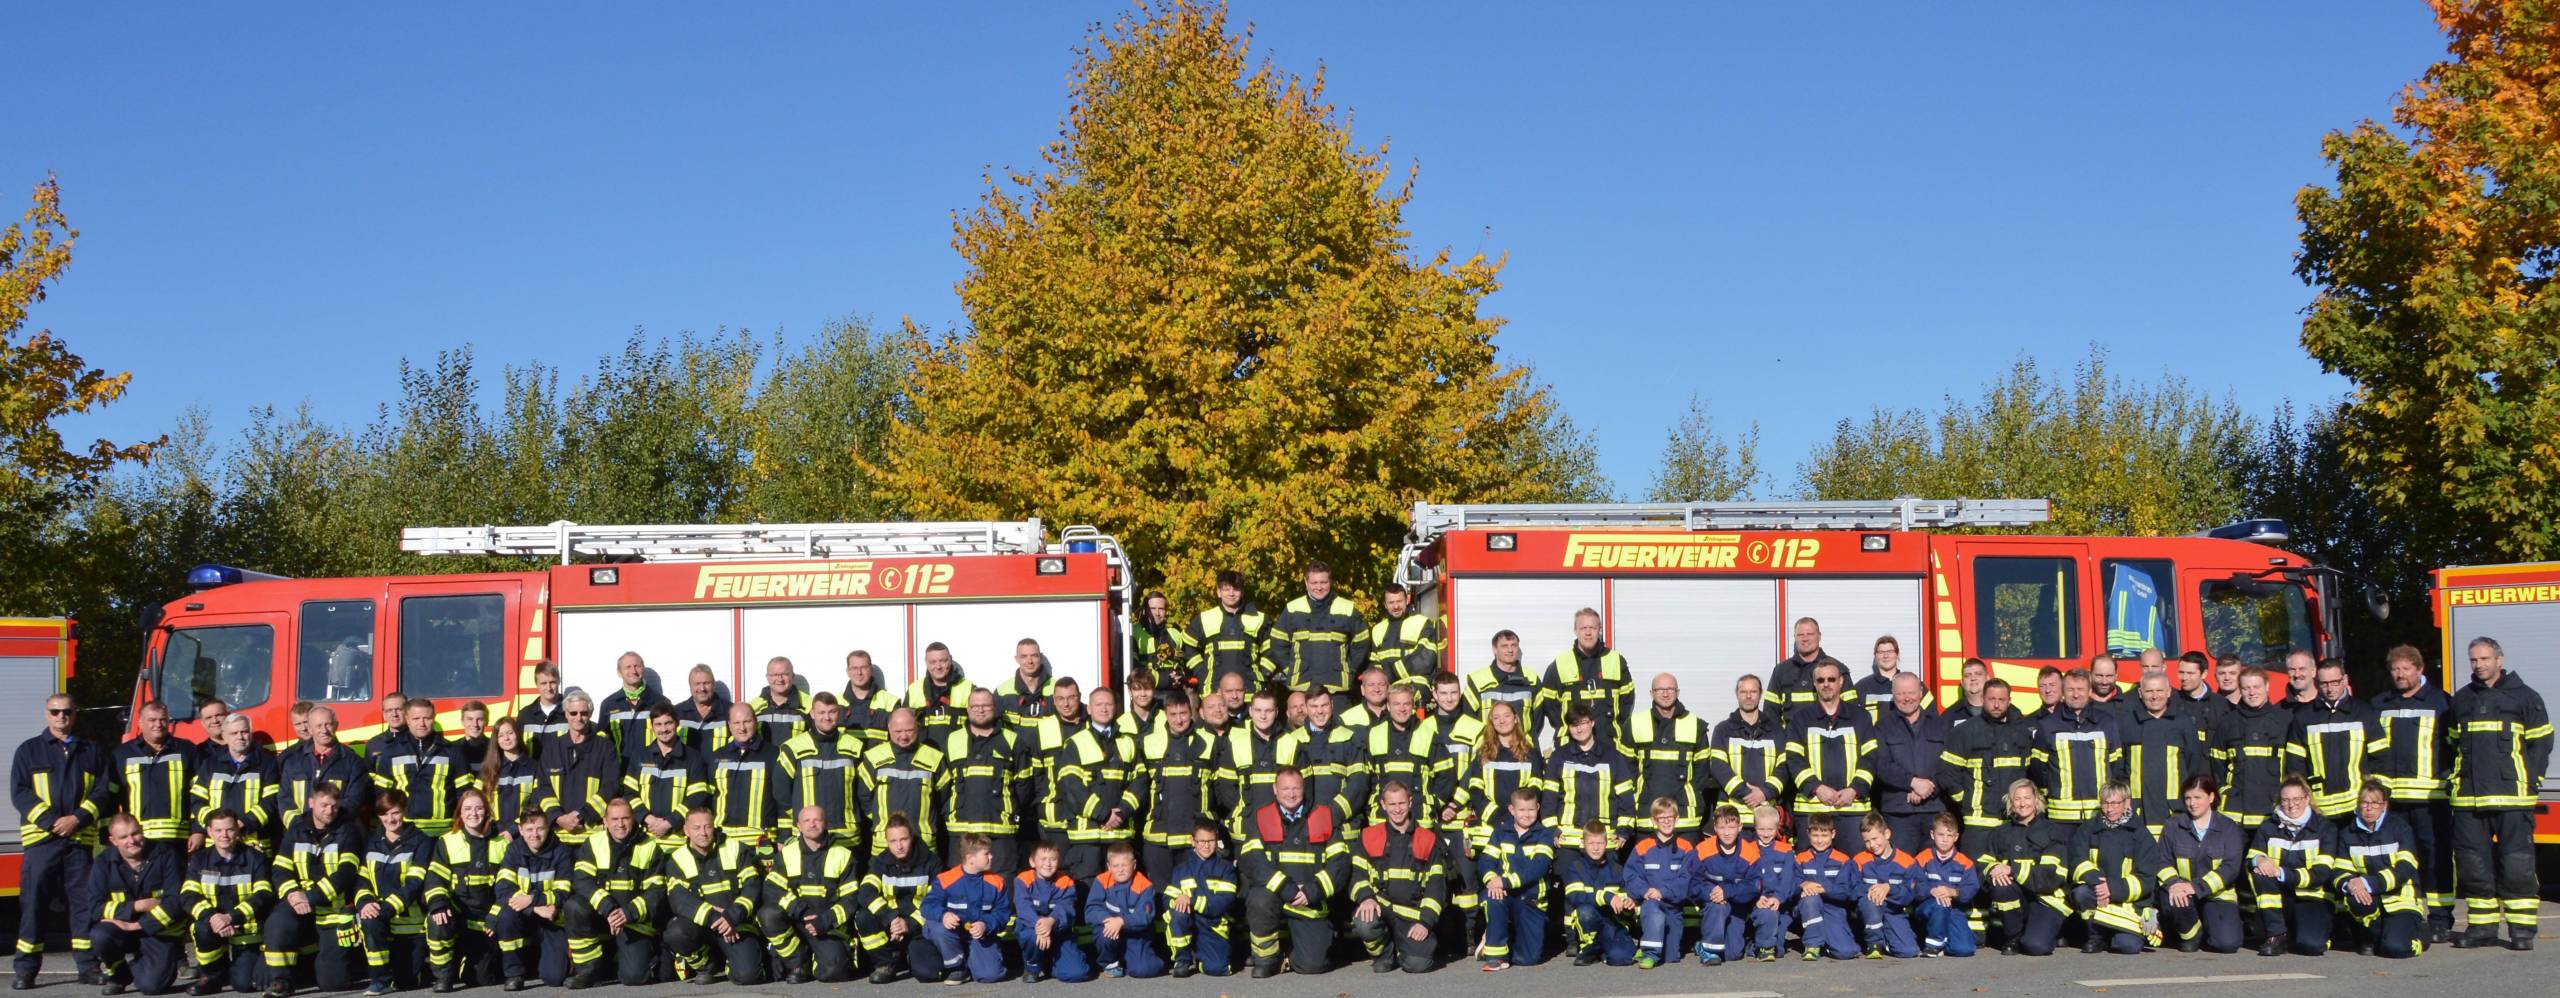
(417, 702)
(321, 789)
(1765, 810)
(1662, 806)
(121, 819)
(1231, 579)
(1833, 665)
(221, 814)
(1026, 643)
(1204, 823)
(1945, 822)
(1728, 812)
(2259, 673)
(1316, 567)
(1526, 795)
(1596, 827)
(1874, 822)
(1505, 633)
(389, 800)
(1143, 679)
(2003, 684)
(1971, 664)
(2197, 657)
(1044, 845)
(1398, 589)
(897, 819)
(470, 707)
(2114, 788)
(1579, 713)
(2080, 676)
(1397, 786)
(662, 709)
(2054, 671)
(1585, 612)
(577, 695)
(209, 703)
(1287, 771)
(550, 669)
(2201, 781)
(1821, 823)
(2487, 642)
(700, 670)
(1445, 679)
(2405, 653)
(974, 843)
(1119, 849)
(937, 647)
(826, 697)
(1888, 641)
(2374, 785)
(2328, 664)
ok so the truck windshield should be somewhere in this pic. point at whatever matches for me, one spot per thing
(235, 663)
(2256, 621)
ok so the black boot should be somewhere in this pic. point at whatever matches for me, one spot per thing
(1184, 968)
(2274, 946)
(1265, 968)
(445, 982)
(2521, 942)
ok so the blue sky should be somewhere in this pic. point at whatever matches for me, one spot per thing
(1797, 212)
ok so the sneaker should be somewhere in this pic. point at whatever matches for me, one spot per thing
(1114, 972)
(1699, 949)
(1875, 953)
(1710, 959)
(1812, 953)
(1495, 966)
(513, 984)
(1648, 962)
(1031, 975)
(379, 988)
(1931, 952)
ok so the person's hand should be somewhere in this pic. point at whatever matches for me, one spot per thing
(1946, 896)
(1848, 796)
(1808, 889)
(2268, 867)
(809, 924)
(1301, 900)
(66, 826)
(1922, 788)
(1448, 813)
(548, 912)
(299, 901)
(977, 930)
(2104, 894)
(897, 929)
(1367, 912)
(720, 926)
(1767, 902)
(1753, 796)
(1999, 875)
(950, 920)
(658, 827)
(1494, 889)
(220, 923)
(1113, 823)
(1715, 894)
(122, 925)
(1653, 894)
(1416, 932)
(520, 902)
(1111, 927)
(614, 921)
(1180, 903)
(2178, 894)
(1876, 892)
(1622, 904)
(1040, 931)
(371, 909)
(146, 904)
(2356, 888)
(569, 821)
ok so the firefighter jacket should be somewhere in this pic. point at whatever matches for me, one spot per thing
(2384, 856)
(976, 897)
(2032, 850)
(669, 783)
(2160, 753)
(779, 718)
(1132, 901)
(1791, 683)
(1407, 870)
(1834, 749)
(749, 796)
(2501, 744)
(161, 876)
(395, 875)
(814, 880)
(1596, 677)
(245, 787)
(2077, 752)
(1319, 644)
(1673, 758)
(1591, 881)
(906, 781)
(624, 875)
(866, 712)
(1044, 740)
(1492, 777)
(1286, 852)
(821, 770)
(541, 874)
(1173, 776)
(2305, 849)
(1953, 870)
(1335, 760)
(152, 786)
(2248, 757)
(1982, 758)
(1093, 782)
(1025, 702)
(623, 715)
(1222, 643)
(1835, 871)
(981, 772)
(703, 727)
(942, 706)
(462, 873)
(1666, 865)
(579, 777)
(1898, 871)
(2333, 744)
(1732, 866)
(1452, 738)
(539, 722)
(1586, 784)
(238, 884)
(2415, 762)
(2214, 862)
(1408, 649)
(2123, 856)
(1907, 751)
(1209, 881)
(323, 863)
(894, 888)
(1162, 649)
(706, 885)
(2207, 709)
(1744, 754)
(430, 771)
(1248, 761)
(520, 786)
(300, 768)
(1874, 691)
(1524, 692)
(1055, 899)
(1774, 873)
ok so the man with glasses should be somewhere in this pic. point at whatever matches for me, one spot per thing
(2335, 740)
(61, 786)
(580, 769)
(1831, 750)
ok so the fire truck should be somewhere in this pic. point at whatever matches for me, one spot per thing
(729, 597)
(1708, 592)
(36, 654)
(2519, 606)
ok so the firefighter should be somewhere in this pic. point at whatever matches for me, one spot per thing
(1399, 886)
(1399, 749)
(1910, 779)
(1229, 639)
(1121, 909)
(781, 705)
(1984, 756)
(1159, 645)
(1504, 681)
(1452, 731)
(2416, 717)
(1588, 779)
(623, 715)
(901, 777)
(1776, 879)
(1319, 641)
(1791, 680)
(1975, 676)
(320, 759)
(1250, 759)
(703, 717)
(152, 772)
(888, 907)
(473, 743)
(317, 877)
(1199, 905)
(1505, 761)
(1171, 781)
(137, 936)
(2202, 855)
(667, 780)
(1826, 885)
(1747, 752)
(2376, 873)
(2289, 873)
(1144, 713)
(2335, 740)
(1948, 884)
(395, 706)
(580, 768)
(2300, 671)
(1727, 885)
(1335, 758)
(1830, 753)
(1406, 645)
(428, 771)
(462, 883)
(1096, 801)
(2106, 686)
(821, 766)
(2113, 873)
(616, 893)
(2163, 749)
(941, 697)
(1592, 674)
(1888, 886)
(2079, 750)
(1514, 862)
(2193, 697)
(512, 776)
(226, 896)
(62, 785)
(1294, 869)
(533, 883)
(811, 885)
(1044, 919)
(1672, 753)
(2497, 723)
(1044, 740)
(2048, 694)
(391, 895)
(1370, 708)
(865, 704)
(714, 890)
(2248, 749)
(983, 759)
(542, 720)
(241, 779)
(2022, 871)
(1874, 691)
(748, 794)
(967, 910)
(211, 713)
(1025, 695)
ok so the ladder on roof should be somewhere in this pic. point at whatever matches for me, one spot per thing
(1906, 513)
(565, 540)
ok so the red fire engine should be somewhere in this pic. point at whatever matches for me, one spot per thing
(2519, 606)
(1709, 591)
(36, 654)
(730, 597)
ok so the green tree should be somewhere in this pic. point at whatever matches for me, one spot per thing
(822, 411)
(1700, 465)
(2432, 261)
(41, 380)
(1202, 325)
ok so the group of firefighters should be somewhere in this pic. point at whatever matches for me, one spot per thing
(1278, 781)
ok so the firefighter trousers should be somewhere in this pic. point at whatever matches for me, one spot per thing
(2119, 925)
(2029, 923)
(530, 946)
(1310, 933)
(2218, 920)
(2395, 933)
(2493, 863)
(1061, 959)
(910, 953)
(1948, 929)
(1723, 933)
(1392, 933)
(1200, 942)
(1515, 928)
(230, 961)
(970, 958)
(2291, 908)
(394, 954)
(50, 871)
(2431, 824)
(1134, 953)
(327, 935)
(460, 948)
(1887, 928)
(147, 960)
(1658, 929)
(635, 953)
(690, 943)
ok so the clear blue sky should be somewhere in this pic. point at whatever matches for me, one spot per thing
(1796, 211)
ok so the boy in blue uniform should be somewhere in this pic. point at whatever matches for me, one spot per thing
(1514, 865)
(1598, 910)
(1198, 904)
(1122, 912)
(1947, 886)
(1827, 885)
(1776, 877)
(1661, 876)
(1727, 888)
(966, 913)
(1044, 920)
(1885, 890)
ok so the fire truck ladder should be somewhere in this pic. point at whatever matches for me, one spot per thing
(1431, 520)
(565, 540)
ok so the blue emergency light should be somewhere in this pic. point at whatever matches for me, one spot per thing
(203, 577)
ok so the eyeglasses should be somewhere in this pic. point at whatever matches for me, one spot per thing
(57, 711)
(578, 713)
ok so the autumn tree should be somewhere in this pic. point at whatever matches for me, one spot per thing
(1700, 465)
(2432, 260)
(44, 380)
(1202, 325)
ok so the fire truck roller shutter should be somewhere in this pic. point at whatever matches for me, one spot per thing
(1707, 633)
(24, 679)
(815, 639)
(2529, 634)
(1539, 610)
(671, 641)
(982, 636)
(1853, 614)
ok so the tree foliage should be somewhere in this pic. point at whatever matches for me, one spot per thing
(2432, 261)
(1700, 465)
(1201, 324)
(41, 380)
